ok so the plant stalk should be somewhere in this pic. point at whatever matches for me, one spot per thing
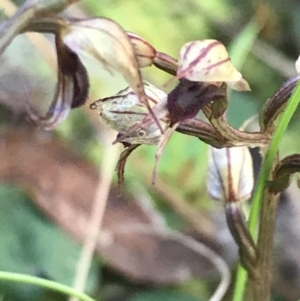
(265, 247)
(262, 287)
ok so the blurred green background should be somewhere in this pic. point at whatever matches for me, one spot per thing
(263, 38)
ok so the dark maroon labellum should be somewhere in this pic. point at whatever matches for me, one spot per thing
(187, 99)
(70, 64)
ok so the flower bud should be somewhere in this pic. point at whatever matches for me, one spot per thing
(276, 104)
(230, 174)
(283, 172)
(208, 61)
(125, 111)
(144, 51)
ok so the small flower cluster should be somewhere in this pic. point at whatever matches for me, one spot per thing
(203, 69)
(144, 114)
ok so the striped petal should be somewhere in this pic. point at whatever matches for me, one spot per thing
(230, 174)
(105, 41)
(208, 61)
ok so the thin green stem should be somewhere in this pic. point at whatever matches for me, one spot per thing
(51, 285)
(263, 177)
(240, 284)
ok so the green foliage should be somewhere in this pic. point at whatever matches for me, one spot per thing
(241, 45)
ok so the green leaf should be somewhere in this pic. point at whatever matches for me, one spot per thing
(262, 180)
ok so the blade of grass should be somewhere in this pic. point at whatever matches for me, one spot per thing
(239, 50)
(261, 182)
(240, 284)
(51, 285)
(241, 46)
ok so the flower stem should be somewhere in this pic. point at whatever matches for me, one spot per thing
(240, 284)
(262, 284)
(263, 177)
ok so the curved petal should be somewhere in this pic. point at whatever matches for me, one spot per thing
(71, 90)
(107, 42)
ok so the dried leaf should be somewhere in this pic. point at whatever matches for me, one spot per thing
(63, 186)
